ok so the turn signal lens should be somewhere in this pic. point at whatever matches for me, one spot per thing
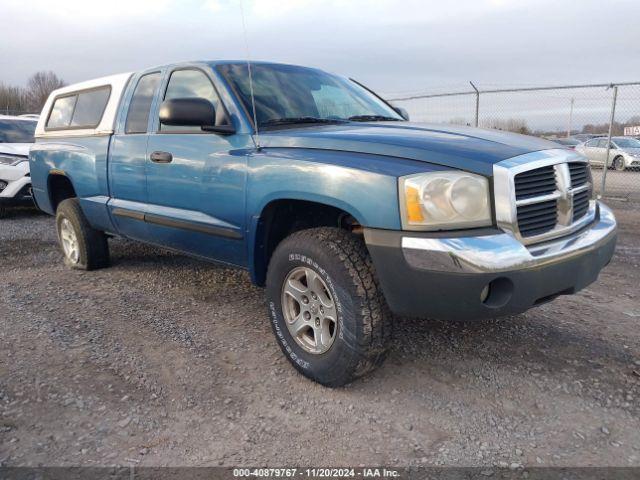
(414, 211)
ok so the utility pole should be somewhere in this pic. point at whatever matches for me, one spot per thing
(570, 118)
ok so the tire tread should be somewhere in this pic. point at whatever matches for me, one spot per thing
(93, 243)
(373, 345)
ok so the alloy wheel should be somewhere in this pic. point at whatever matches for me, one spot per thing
(69, 241)
(309, 310)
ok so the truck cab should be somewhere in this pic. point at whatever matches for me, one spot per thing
(344, 210)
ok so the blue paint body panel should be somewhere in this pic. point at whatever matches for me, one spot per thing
(471, 149)
(83, 160)
(208, 201)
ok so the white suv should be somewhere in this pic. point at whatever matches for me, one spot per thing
(16, 137)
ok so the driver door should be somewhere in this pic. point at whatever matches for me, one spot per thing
(195, 184)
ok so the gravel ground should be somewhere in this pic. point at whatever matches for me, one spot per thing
(164, 360)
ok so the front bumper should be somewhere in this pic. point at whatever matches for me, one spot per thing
(487, 275)
(18, 189)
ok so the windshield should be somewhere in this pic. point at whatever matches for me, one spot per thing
(290, 94)
(627, 142)
(17, 131)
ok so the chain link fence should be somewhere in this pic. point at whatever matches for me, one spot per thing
(600, 121)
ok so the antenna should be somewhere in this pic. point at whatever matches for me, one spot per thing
(256, 138)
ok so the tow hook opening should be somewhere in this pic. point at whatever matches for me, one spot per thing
(497, 293)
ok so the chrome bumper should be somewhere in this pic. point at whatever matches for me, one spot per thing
(502, 252)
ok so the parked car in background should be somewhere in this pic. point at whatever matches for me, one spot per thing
(624, 152)
(16, 137)
(583, 137)
(340, 207)
(567, 142)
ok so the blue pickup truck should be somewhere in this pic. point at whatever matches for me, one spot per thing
(343, 209)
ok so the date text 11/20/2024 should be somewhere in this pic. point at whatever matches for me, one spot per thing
(317, 472)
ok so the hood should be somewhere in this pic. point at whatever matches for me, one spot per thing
(471, 149)
(16, 148)
(632, 151)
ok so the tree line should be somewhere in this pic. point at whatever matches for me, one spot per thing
(519, 125)
(29, 99)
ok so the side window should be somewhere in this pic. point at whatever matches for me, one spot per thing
(61, 112)
(138, 114)
(602, 143)
(191, 84)
(80, 110)
(90, 107)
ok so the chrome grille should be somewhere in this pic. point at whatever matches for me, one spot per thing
(543, 195)
(537, 218)
(580, 204)
(579, 173)
(534, 183)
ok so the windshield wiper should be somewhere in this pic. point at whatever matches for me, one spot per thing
(373, 118)
(295, 120)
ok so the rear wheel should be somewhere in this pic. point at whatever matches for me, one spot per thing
(84, 247)
(327, 310)
(618, 164)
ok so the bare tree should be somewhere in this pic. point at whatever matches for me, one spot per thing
(517, 125)
(12, 99)
(39, 86)
(459, 121)
(603, 128)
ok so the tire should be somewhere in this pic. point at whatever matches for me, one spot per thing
(91, 250)
(618, 164)
(362, 325)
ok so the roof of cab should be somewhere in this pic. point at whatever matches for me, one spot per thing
(117, 83)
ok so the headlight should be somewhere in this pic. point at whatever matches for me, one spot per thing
(444, 200)
(6, 159)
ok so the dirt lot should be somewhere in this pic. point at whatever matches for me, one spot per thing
(164, 360)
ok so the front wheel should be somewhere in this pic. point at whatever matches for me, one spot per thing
(84, 247)
(618, 164)
(326, 307)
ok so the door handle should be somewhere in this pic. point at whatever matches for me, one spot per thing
(161, 157)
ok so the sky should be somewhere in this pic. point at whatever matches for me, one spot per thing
(395, 47)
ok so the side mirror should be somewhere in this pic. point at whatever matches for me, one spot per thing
(192, 112)
(402, 112)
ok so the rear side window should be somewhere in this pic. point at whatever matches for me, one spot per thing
(79, 110)
(90, 107)
(61, 112)
(138, 114)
